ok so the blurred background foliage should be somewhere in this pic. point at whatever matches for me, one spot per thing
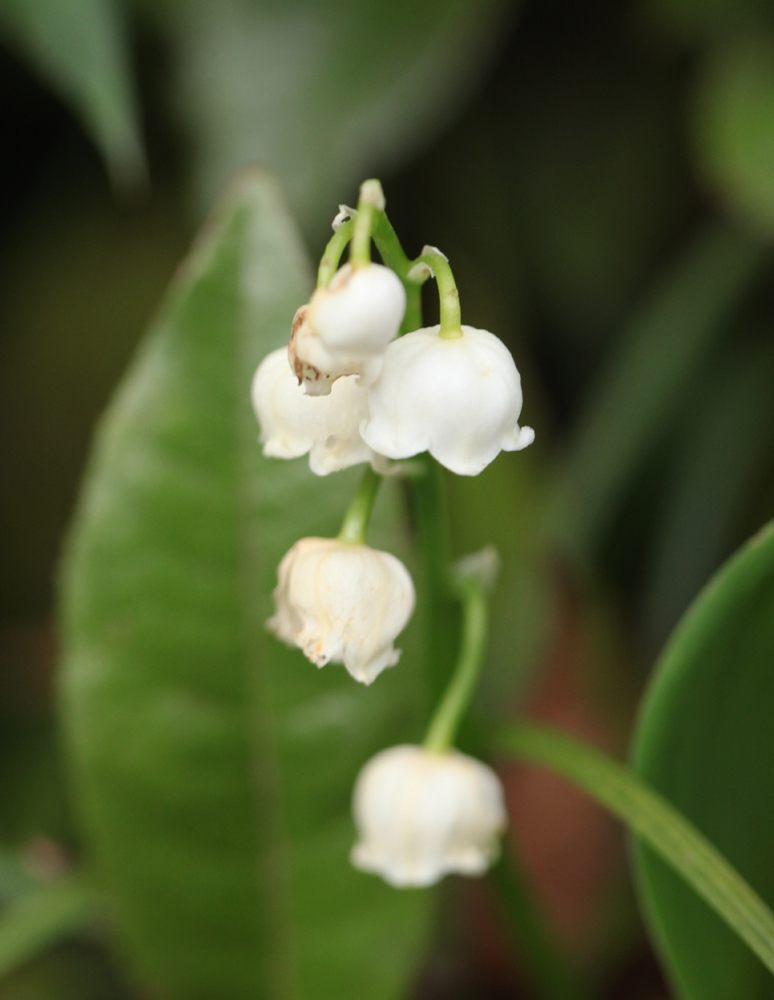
(601, 175)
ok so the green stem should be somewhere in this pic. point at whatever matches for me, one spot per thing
(371, 222)
(370, 202)
(430, 514)
(475, 620)
(657, 823)
(355, 523)
(389, 246)
(550, 974)
(451, 319)
(333, 251)
(394, 257)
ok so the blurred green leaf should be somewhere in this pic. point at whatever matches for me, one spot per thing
(324, 92)
(702, 869)
(720, 452)
(80, 48)
(665, 344)
(214, 766)
(734, 127)
(705, 741)
(77, 969)
(15, 879)
(699, 20)
(33, 787)
(42, 916)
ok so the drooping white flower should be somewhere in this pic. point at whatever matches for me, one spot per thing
(347, 326)
(457, 398)
(294, 423)
(343, 603)
(422, 815)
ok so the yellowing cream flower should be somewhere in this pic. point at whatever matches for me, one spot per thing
(347, 326)
(422, 815)
(294, 423)
(344, 603)
(458, 398)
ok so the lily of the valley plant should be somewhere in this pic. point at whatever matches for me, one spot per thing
(362, 382)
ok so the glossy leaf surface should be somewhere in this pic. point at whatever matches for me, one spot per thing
(706, 742)
(214, 766)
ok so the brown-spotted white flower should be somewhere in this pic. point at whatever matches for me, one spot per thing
(347, 326)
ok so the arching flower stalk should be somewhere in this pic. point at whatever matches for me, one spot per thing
(349, 322)
(425, 812)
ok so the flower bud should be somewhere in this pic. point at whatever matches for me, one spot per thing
(360, 312)
(316, 368)
(293, 423)
(458, 398)
(343, 603)
(422, 815)
(346, 327)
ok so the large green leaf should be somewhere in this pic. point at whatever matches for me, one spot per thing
(659, 825)
(721, 447)
(322, 91)
(213, 766)
(79, 46)
(706, 742)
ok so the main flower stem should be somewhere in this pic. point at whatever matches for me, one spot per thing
(394, 256)
(375, 224)
(333, 251)
(370, 202)
(451, 318)
(431, 518)
(475, 621)
(370, 221)
(355, 523)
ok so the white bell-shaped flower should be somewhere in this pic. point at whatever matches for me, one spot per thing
(344, 603)
(347, 326)
(458, 398)
(294, 423)
(422, 815)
